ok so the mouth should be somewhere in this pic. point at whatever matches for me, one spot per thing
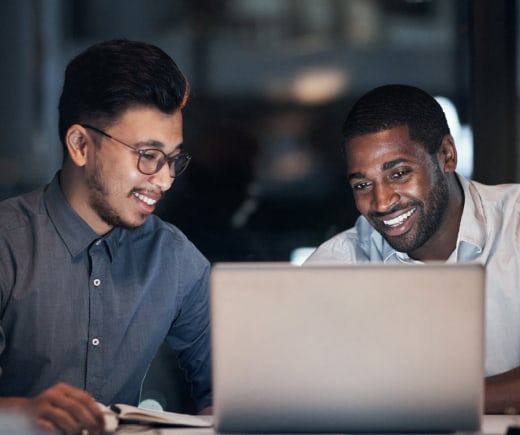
(399, 220)
(146, 199)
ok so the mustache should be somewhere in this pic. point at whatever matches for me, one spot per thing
(396, 208)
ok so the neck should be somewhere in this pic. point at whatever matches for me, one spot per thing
(73, 188)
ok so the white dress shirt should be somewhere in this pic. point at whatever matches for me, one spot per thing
(489, 234)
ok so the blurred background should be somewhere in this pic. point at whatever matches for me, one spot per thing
(272, 81)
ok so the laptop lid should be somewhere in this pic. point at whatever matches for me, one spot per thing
(351, 348)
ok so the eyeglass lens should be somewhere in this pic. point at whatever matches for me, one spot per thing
(152, 161)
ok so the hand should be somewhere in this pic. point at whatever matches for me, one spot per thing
(67, 409)
(206, 411)
(503, 393)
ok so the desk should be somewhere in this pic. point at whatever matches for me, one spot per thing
(491, 425)
(498, 424)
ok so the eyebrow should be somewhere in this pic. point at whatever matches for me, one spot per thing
(157, 144)
(386, 166)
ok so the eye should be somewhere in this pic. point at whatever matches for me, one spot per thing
(150, 154)
(400, 174)
(364, 185)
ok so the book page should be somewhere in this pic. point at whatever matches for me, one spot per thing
(134, 414)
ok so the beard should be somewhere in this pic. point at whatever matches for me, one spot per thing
(98, 200)
(430, 216)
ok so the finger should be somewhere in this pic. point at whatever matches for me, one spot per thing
(45, 425)
(60, 417)
(69, 409)
(85, 411)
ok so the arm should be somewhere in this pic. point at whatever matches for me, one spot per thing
(189, 335)
(502, 393)
(61, 407)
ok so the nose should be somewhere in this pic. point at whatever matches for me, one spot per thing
(163, 178)
(384, 197)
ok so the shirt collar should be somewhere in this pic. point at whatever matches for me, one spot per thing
(76, 234)
(472, 230)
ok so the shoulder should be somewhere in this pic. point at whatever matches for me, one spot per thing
(155, 225)
(491, 212)
(20, 210)
(169, 240)
(502, 199)
(348, 246)
(19, 216)
(493, 193)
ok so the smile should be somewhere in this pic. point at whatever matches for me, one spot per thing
(399, 219)
(145, 199)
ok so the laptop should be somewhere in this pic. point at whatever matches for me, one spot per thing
(347, 348)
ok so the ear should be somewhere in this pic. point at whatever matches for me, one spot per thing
(448, 154)
(76, 141)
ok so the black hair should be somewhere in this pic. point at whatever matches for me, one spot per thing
(398, 105)
(112, 76)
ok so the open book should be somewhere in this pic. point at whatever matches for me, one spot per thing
(121, 413)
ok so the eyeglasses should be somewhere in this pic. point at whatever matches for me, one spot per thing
(151, 160)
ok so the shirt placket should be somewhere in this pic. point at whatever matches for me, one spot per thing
(98, 276)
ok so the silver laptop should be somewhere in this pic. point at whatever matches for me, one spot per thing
(357, 348)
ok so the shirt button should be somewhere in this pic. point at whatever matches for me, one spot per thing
(95, 342)
(97, 282)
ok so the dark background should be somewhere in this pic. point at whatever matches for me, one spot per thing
(272, 81)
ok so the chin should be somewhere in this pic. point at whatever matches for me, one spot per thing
(131, 224)
(402, 244)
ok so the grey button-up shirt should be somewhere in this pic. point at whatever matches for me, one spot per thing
(92, 311)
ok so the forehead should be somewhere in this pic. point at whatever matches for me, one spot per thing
(148, 118)
(372, 151)
(150, 126)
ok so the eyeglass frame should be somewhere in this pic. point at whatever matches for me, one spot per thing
(142, 151)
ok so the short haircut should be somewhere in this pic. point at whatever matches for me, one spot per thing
(108, 78)
(396, 105)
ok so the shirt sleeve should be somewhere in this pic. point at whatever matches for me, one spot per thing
(339, 249)
(361, 243)
(7, 270)
(189, 334)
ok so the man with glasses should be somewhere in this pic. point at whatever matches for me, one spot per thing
(91, 282)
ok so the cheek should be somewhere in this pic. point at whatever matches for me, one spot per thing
(362, 203)
(418, 189)
(123, 177)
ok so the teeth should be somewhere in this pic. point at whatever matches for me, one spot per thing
(145, 199)
(399, 219)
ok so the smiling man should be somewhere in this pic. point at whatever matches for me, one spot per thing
(401, 165)
(91, 281)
